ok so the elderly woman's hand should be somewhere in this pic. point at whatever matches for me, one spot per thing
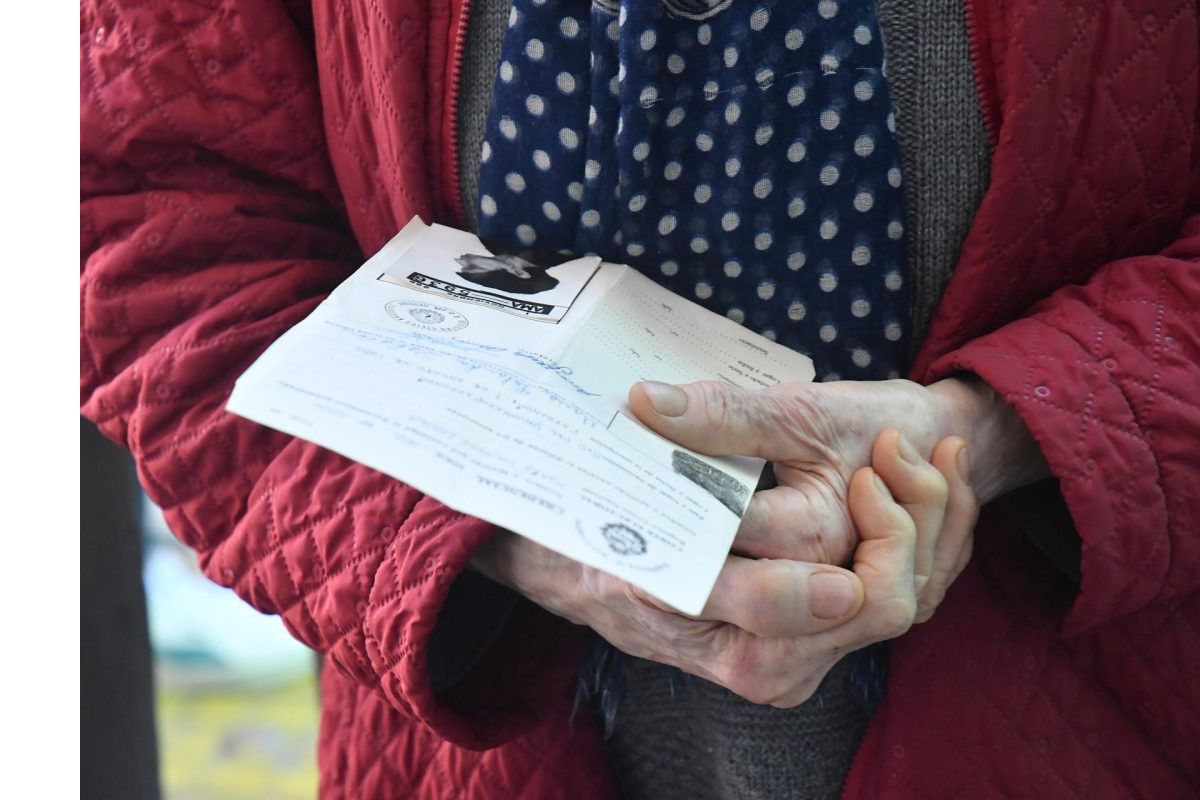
(819, 434)
(772, 629)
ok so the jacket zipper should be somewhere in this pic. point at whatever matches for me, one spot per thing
(460, 41)
(985, 82)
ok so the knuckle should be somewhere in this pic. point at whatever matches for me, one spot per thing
(933, 486)
(894, 617)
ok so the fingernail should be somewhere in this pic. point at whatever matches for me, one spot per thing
(964, 464)
(831, 595)
(881, 487)
(908, 452)
(668, 400)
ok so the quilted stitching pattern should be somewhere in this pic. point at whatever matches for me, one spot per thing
(230, 147)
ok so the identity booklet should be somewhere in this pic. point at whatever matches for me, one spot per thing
(497, 383)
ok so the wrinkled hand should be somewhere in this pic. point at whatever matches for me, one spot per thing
(819, 434)
(772, 629)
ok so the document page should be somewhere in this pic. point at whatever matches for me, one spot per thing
(497, 383)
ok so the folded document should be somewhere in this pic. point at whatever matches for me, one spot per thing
(498, 384)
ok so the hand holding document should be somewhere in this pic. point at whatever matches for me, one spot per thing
(498, 383)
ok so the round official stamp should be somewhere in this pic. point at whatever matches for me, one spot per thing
(623, 540)
(426, 316)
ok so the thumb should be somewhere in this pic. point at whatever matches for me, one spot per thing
(710, 417)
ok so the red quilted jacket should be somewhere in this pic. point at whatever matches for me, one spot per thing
(240, 157)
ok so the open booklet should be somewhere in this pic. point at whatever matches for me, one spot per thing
(498, 385)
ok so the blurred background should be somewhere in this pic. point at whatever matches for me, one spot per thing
(186, 692)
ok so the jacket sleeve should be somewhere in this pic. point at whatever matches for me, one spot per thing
(1106, 376)
(211, 223)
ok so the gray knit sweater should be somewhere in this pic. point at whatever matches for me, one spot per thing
(707, 742)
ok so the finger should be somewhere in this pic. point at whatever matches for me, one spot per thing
(716, 418)
(781, 599)
(884, 561)
(952, 460)
(786, 522)
(919, 488)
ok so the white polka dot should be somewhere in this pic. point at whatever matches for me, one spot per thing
(863, 201)
(860, 256)
(699, 244)
(569, 27)
(765, 290)
(702, 194)
(796, 311)
(860, 308)
(485, 152)
(864, 91)
(796, 207)
(767, 333)
(893, 281)
(703, 290)
(730, 221)
(827, 333)
(828, 281)
(891, 122)
(796, 151)
(648, 97)
(668, 268)
(862, 34)
(487, 204)
(892, 331)
(667, 224)
(763, 240)
(763, 134)
(515, 181)
(614, 86)
(675, 116)
(591, 218)
(831, 376)
(794, 39)
(641, 150)
(830, 119)
(796, 260)
(733, 166)
(764, 77)
(704, 34)
(568, 138)
(828, 229)
(623, 15)
(760, 18)
(711, 90)
(575, 191)
(534, 49)
(827, 9)
(860, 357)
(829, 175)
(565, 82)
(893, 177)
(591, 170)
(795, 96)
(618, 237)
(733, 112)
(637, 203)
(672, 170)
(704, 141)
(737, 315)
(593, 117)
(514, 17)
(635, 249)
(551, 211)
(895, 230)
(731, 56)
(829, 64)
(675, 63)
(541, 160)
(763, 187)
(508, 128)
(526, 234)
(732, 269)
(613, 30)
(864, 146)
(506, 71)
(648, 40)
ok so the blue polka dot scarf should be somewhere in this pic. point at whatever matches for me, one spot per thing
(740, 152)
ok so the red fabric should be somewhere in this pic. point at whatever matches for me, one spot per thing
(239, 157)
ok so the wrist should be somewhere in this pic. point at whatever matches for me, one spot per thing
(1003, 453)
(523, 565)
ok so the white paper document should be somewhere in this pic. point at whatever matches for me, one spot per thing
(498, 385)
